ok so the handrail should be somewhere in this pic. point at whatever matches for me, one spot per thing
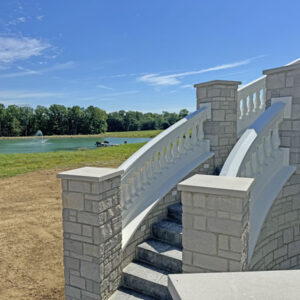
(156, 167)
(258, 155)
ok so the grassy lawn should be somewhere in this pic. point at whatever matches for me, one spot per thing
(14, 164)
(126, 134)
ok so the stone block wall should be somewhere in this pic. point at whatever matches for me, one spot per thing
(92, 232)
(221, 130)
(278, 246)
(215, 223)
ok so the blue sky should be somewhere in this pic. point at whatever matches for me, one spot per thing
(135, 54)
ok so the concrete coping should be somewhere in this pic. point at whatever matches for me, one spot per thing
(90, 174)
(275, 285)
(217, 82)
(217, 185)
(282, 69)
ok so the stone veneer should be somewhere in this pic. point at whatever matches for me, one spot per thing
(215, 223)
(92, 232)
(278, 246)
(221, 130)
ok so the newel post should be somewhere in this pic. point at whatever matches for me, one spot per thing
(221, 130)
(215, 223)
(92, 232)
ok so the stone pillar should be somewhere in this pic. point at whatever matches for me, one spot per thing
(283, 84)
(221, 130)
(215, 223)
(92, 232)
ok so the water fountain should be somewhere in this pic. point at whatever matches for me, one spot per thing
(39, 134)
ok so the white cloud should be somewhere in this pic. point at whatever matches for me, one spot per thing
(16, 95)
(173, 79)
(187, 86)
(26, 72)
(13, 49)
(117, 94)
(40, 18)
(22, 19)
(102, 86)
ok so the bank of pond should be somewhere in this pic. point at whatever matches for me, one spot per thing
(40, 144)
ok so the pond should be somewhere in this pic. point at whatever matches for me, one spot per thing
(36, 145)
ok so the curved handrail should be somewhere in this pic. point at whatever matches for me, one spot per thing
(257, 154)
(155, 168)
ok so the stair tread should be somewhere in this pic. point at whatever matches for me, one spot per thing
(169, 226)
(127, 294)
(176, 207)
(162, 248)
(147, 272)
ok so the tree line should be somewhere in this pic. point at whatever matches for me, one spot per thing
(59, 120)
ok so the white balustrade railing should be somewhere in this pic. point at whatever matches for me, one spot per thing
(258, 155)
(251, 103)
(151, 172)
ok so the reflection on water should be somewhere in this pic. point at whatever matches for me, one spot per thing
(38, 144)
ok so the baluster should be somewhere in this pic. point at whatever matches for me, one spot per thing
(169, 153)
(139, 180)
(194, 135)
(200, 131)
(250, 104)
(162, 159)
(150, 168)
(145, 173)
(239, 109)
(244, 107)
(132, 185)
(156, 163)
(175, 147)
(125, 193)
(257, 101)
(180, 144)
(263, 99)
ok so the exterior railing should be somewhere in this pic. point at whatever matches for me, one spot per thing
(251, 103)
(153, 170)
(258, 155)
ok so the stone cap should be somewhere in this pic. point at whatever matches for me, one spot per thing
(90, 174)
(217, 82)
(273, 285)
(217, 185)
(294, 65)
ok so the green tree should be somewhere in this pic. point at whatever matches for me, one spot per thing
(58, 119)
(75, 119)
(94, 120)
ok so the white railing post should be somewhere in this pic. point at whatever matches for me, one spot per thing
(221, 129)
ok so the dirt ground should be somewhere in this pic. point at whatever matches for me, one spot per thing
(31, 255)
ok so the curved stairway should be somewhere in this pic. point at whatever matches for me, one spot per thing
(147, 276)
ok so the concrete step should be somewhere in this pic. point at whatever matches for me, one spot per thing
(147, 280)
(160, 255)
(168, 232)
(175, 212)
(126, 294)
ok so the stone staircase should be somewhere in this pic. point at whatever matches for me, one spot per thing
(147, 276)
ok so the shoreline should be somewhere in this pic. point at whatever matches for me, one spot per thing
(125, 134)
